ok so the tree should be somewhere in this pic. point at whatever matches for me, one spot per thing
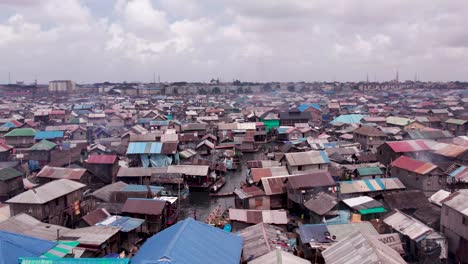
(266, 87)
(240, 90)
(291, 88)
(216, 90)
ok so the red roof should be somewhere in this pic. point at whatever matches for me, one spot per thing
(102, 159)
(57, 112)
(408, 145)
(413, 165)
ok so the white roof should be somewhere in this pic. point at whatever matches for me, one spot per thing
(407, 225)
(352, 202)
(437, 197)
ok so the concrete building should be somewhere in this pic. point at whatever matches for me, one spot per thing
(61, 86)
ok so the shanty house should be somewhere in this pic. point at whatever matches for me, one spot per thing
(301, 188)
(56, 202)
(307, 162)
(391, 150)
(104, 167)
(11, 183)
(21, 137)
(369, 137)
(153, 211)
(251, 198)
(420, 175)
(454, 223)
(152, 154)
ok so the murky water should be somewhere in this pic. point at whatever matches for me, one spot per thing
(199, 204)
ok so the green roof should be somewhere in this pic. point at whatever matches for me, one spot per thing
(43, 145)
(21, 132)
(74, 261)
(61, 249)
(372, 210)
(9, 173)
(369, 171)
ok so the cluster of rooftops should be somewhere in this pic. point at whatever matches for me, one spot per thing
(347, 176)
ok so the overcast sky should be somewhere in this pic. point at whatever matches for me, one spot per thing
(251, 40)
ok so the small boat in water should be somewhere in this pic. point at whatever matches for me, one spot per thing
(218, 184)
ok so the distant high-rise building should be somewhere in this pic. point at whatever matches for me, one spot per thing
(61, 86)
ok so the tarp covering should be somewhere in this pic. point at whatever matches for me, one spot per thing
(155, 160)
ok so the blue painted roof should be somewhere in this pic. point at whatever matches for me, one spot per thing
(348, 119)
(48, 134)
(9, 125)
(303, 107)
(190, 241)
(144, 148)
(14, 246)
(126, 223)
(142, 188)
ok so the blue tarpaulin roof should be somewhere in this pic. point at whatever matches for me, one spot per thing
(14, 246)
(303, 107)
(48, 134)
(348, 119)
(126, 223)
(144, 148)
(142, 188)
(190, 241)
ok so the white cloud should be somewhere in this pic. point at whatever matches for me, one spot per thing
(257, 40)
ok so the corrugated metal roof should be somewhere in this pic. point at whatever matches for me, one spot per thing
(412, 165)
(361, 248)
(144, 206)
(407, 225)
(126, 223)
(61, 173)
(369, 171)
(21, 132)
(408, 146)
(47, 192)
(101, 159)
(193, 242)
(43, 145)
(152, 148)
(30, 226)
(371, 185)
(457, 201)
(348, 119)
(279, 256)
(438, 197)
(310, 180)
(48, 135)
(258, 216)
(307, 158)
(321, 203)
(9, 173)
(93, 235)
(74, 261)
(14, 246)
(259, 173)
(191, 170)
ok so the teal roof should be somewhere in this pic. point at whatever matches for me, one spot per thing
(369, 171)
(9, 173)
(43, 145)
(48, 134)
(348, 119)
(21, 132)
